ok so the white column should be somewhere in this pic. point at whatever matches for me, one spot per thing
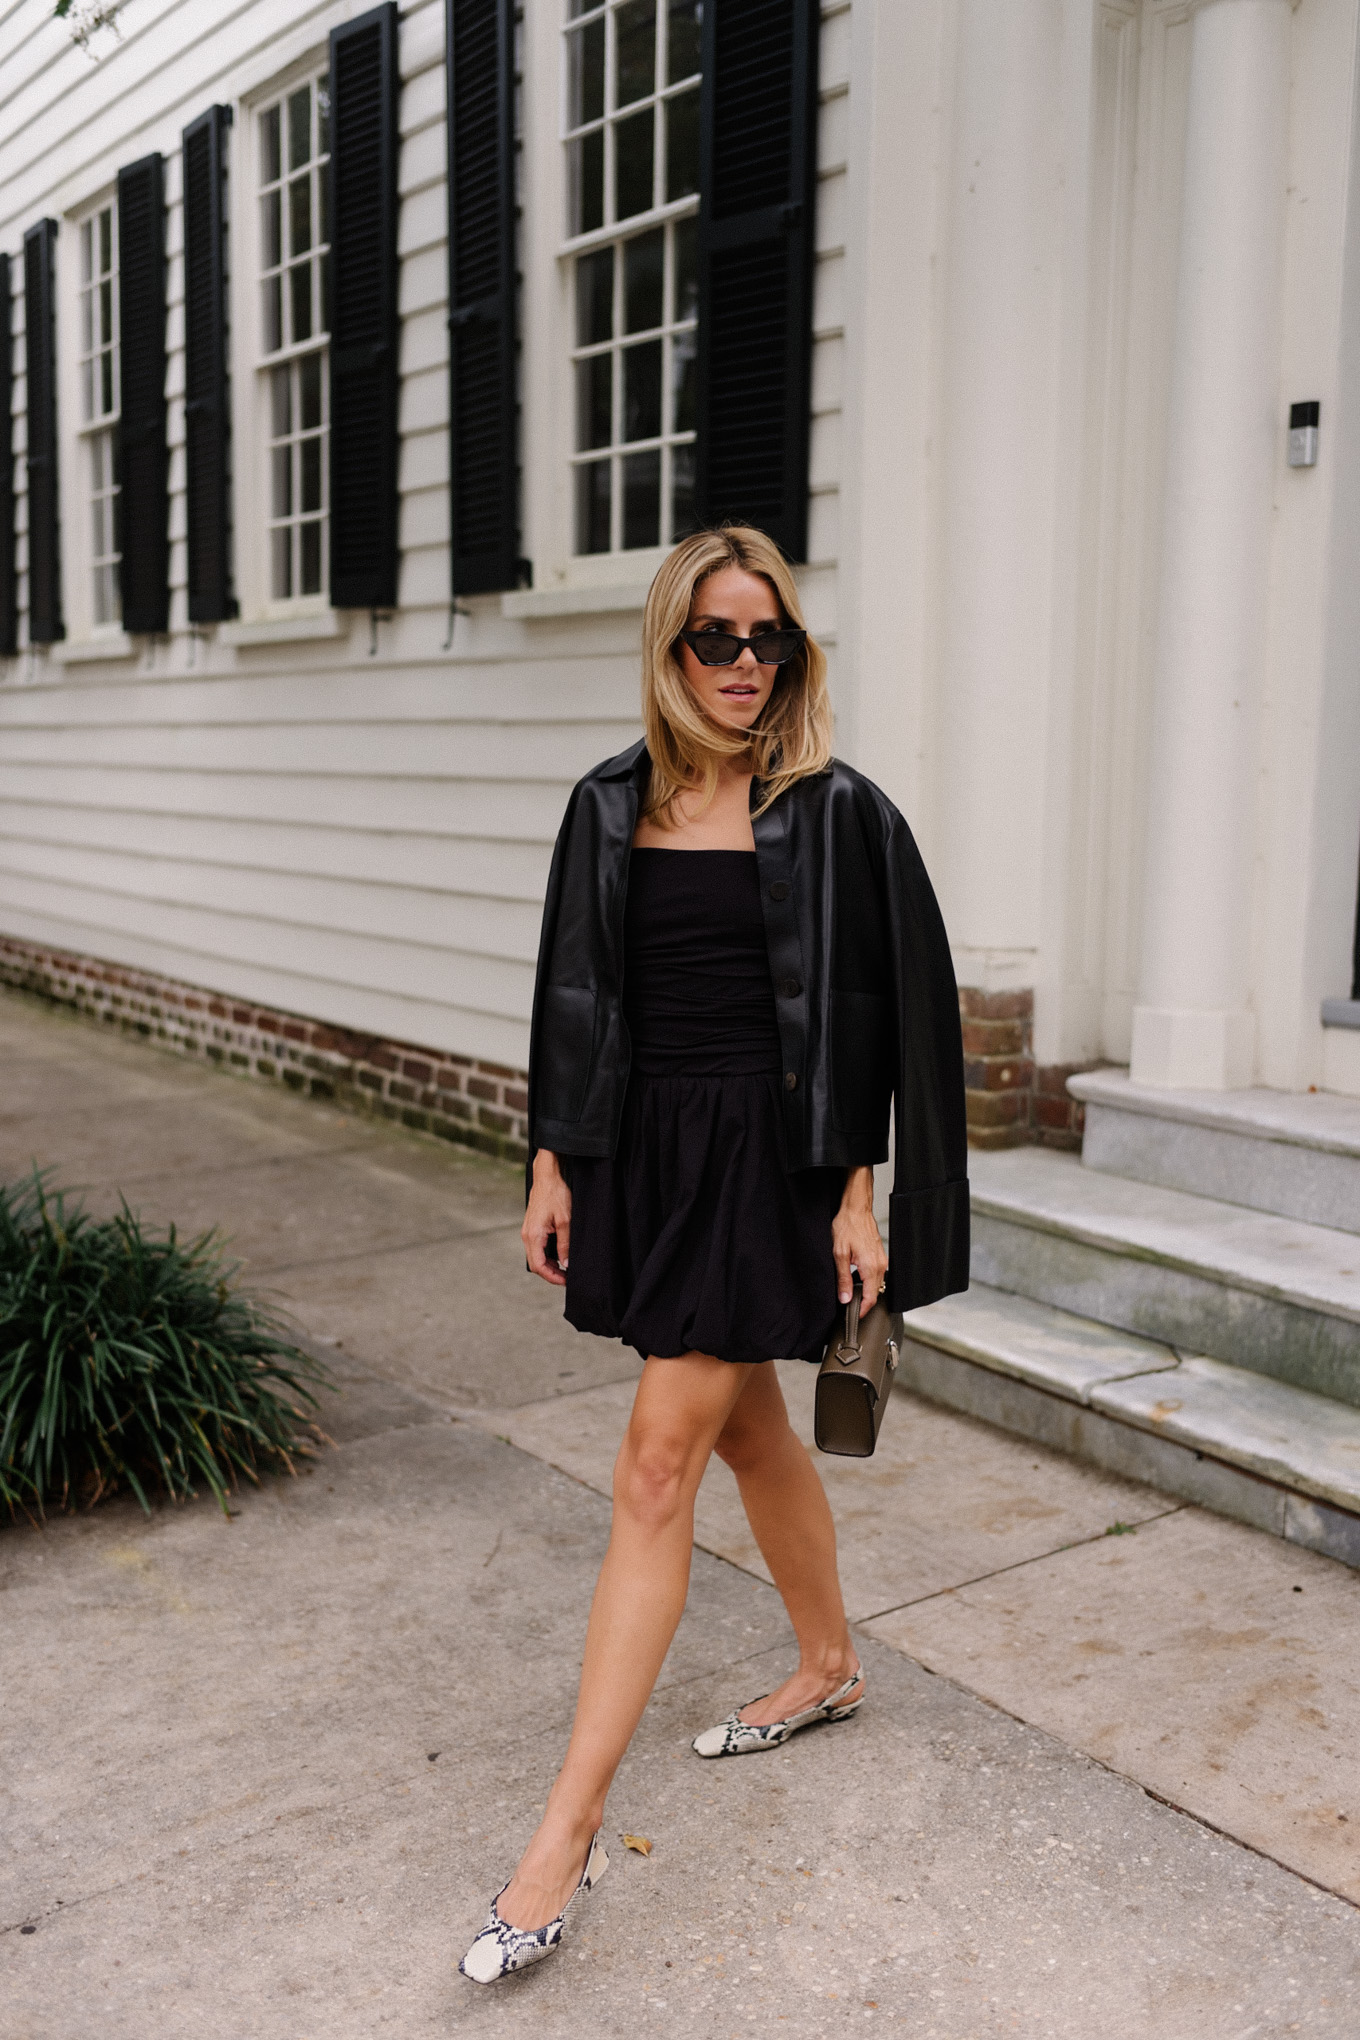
(1192, 1026)
(996, 430)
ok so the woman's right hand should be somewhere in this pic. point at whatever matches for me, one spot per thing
(549, 1212)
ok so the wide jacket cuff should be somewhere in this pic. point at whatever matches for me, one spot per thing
(927, 1244)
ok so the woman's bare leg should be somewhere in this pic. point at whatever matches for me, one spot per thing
(681, 1408)
(790, 1517)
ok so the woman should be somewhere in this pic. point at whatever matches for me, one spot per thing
(742, 966)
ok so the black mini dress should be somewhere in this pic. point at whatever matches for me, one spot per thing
(694, 1238)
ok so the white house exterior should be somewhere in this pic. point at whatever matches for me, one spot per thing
(1074, 262)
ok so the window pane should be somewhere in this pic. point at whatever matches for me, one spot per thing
(309, 376)
(323, 310)
(105, 384)
(585, 74)
(269, 146)
(311, 474)
(595, 298)
(682, 145)
(594, 391)
(323, 115)
(644, 275)
(323, 192)
(271, 239)
(592, 507)
(682, 56)
(86, 240)
(281, 564)
(300, 301)
(587, 183)
(87, 387)
(642, 391)
(686, 269)
(683, 519)
(105, 313)
(299, 127)
(300, 215)
(581, 7)
(641, 500)
(635, 50)
(98, 450)
(633, 165)
(281, 494)
(311, 559)
(105, 241)
(273, 316)
(683, 349)
(281, 401)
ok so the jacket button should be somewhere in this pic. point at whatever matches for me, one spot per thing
(790, 1080)
(789, 988)
(781, 889)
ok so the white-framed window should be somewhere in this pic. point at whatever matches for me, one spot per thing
(99, 406)
(292, 145)
(631, 134)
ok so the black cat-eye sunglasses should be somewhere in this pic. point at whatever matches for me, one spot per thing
(721, 648)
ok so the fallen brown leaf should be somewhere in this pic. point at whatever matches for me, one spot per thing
(638, 1842)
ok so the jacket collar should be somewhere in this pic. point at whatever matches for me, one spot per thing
(630, 764)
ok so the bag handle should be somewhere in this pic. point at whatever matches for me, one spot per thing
(847, 1352)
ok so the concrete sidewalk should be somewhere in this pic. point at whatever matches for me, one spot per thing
(261, 1776)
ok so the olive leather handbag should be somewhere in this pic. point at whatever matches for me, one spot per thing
(856, 1378)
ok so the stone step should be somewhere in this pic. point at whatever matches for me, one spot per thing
(1232, 1440)
(1295, 1155)
(1272, 1295)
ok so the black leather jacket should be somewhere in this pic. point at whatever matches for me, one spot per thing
(865, 996)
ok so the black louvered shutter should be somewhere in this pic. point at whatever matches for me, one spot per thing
(9, 577)
(45, 624)
(363, 312)
(144, 570)
(207, 413)
(758, 137)
(483, 402)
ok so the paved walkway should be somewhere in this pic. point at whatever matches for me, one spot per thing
(259, 1777)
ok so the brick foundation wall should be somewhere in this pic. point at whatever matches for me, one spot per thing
(1012, 1101)
(480, 1104)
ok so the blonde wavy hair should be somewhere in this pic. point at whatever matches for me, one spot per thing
(792, 737)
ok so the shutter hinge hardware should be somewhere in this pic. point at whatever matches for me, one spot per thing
(373, 617)
(456, 609)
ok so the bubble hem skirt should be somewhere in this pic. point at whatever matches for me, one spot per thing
(694, 1238)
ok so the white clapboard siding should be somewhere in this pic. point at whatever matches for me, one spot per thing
(490, 813)
(388, 857)
(833, 141)
(462, 1011)
(462, 751)
(403, 913)
(416, 691)
(355, 826)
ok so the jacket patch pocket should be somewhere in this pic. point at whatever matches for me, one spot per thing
(861, 1061)
(566, 1039)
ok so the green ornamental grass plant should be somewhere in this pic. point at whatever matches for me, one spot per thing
(130, 1359)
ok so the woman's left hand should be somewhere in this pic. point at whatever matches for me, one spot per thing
(856, 1240)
